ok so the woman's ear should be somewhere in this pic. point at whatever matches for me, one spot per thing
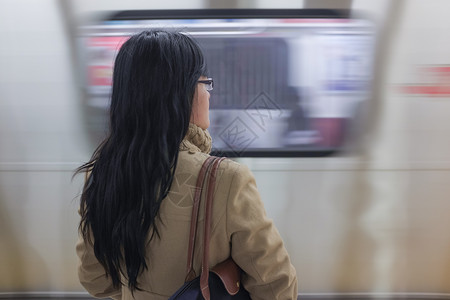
(194, 110)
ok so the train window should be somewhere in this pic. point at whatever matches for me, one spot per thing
(287, 82)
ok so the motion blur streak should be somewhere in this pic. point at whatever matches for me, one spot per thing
(372, 219)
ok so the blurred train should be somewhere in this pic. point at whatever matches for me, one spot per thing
(341, 113)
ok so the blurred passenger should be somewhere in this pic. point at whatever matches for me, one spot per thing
(137, 200)
(298, 119)
(298, 130)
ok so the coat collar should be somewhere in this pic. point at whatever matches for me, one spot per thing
(196, 139)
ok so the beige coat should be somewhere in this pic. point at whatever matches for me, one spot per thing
(240, 229)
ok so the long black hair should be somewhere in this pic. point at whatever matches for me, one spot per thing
(130, 173)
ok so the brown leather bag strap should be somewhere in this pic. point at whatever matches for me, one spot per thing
(207, 230)
(190, 273)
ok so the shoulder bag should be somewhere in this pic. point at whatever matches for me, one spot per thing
(223, 280)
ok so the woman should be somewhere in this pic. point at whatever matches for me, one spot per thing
(136, 204)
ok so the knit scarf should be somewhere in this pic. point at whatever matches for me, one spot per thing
(196, 139)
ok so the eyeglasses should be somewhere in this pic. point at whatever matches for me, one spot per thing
(208, 82)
